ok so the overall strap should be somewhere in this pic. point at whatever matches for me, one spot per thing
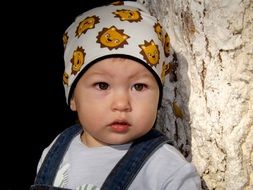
(128, 167)
(55, 155)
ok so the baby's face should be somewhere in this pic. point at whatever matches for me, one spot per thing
(116, 100)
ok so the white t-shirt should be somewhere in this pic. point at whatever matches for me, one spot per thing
(87, 168)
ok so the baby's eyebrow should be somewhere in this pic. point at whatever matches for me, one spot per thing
(97, 73)
(141, 75)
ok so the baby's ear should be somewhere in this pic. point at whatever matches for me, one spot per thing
(72, 104)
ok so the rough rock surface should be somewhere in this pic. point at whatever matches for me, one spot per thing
(208, 95)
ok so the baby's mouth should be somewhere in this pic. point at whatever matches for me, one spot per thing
(120, 126)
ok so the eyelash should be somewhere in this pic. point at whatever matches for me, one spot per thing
(105, 86)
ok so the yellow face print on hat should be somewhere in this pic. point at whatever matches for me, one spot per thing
(77, 60)
(150, 52)
(165, 70)
(112, 38)
(86, 24)
(128, 15)
(158, 30)
(167, 45)
(65, 39)
(117, 3)
(65, 78)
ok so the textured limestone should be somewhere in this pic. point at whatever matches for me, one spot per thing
(208, 100)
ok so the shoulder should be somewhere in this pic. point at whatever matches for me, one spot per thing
(172, 159)
(170, 151)
(168, 169)
(45, 151)
(69, 132)
(169, 156)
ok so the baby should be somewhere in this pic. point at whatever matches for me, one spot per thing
(115, 63)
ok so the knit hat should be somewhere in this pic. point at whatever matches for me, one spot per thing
(123, 28)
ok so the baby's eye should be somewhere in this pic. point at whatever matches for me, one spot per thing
(102, 85)
(139, 86)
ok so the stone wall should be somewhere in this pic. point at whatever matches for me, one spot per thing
(208, 100)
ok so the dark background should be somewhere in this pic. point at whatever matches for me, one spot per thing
(33, 100)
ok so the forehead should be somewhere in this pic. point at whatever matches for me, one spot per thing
(119, 64)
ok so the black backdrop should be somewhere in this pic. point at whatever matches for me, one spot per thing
(33, 99)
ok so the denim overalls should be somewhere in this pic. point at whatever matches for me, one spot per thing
(122, 174)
